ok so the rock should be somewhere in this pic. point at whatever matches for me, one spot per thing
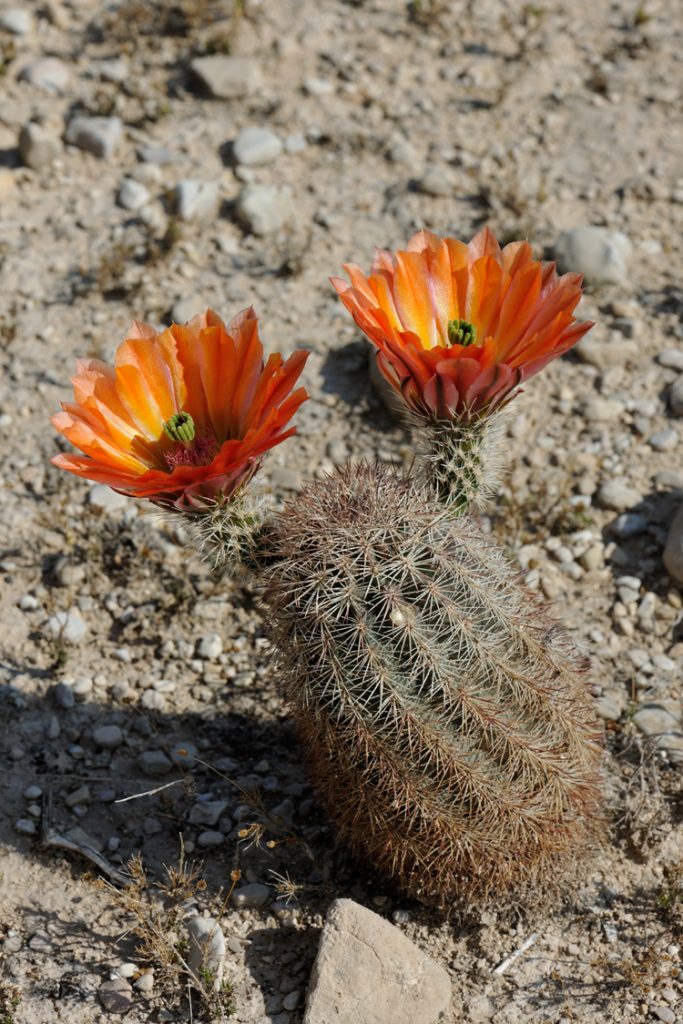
(100, 136)
(661, 721)
(101, 496)
(597, 409)
(663, 440)
(115, 996)
(184, 754)
(264, 209)
(599, 254)
(184, 309)
(158, 155)
(676, 397)
(108, 737)
(318, 86)
(604, 354)
(252, 895)
(207, 813)
(669, 477)
(210, 838)
(609, 706)
(673, 551)
(145, 982)
(665, 1014)
(132, 194)
(68, 626)
(196, 200)
(210, 647)
(64, 696)
(617, 495)
(37, 147)
(16, 20)
(116, 70)
(629, 524)
(81, 795)
(227, 78)
(254, 146)
(47, 73)
(154, 763)
(368, 972)
(672, 358)
(207, 949)
(25, 827)
(436, 181)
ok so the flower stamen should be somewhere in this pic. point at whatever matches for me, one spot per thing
(461, 332)
(180, 427)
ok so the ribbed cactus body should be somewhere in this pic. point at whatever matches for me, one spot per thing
(461, 459)
(448, 726)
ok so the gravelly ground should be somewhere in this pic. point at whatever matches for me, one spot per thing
(535, 118)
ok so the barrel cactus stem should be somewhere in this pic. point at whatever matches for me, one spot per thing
(446, 718)
(461, 459)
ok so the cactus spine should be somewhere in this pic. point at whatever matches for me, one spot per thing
(448, 726)
(460, 458)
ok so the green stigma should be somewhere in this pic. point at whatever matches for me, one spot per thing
(461, 332)
(180, 427)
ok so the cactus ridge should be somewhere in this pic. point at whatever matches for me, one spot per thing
(227, 534)
(450, 731)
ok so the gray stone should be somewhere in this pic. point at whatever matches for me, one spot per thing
(159, 155)
(207, 813)
(227, 78)
(254, 146)
(669, 477)
(210, 647)
(196, 200)
(609, 706)
(597, 409)
(629, 524)
(100, 136)
(663, 440)
(25, 827)
(673, 551)
(665, 1014)
(68, 626)
(617, 494)
(47, 73)
(145, 982)
(252, 895)
(604, 354)
(661, 721)
(599, 254)
(184, 754)
(368, 972)
(210, 838)
(16, 20)
(207, 948)
(101, 496)
(676, 397)
(115, 996)
(436, 181)
(318, 86)
(154, 763)
(132, 194)
(38, 147)
(184, 309)
(264, 209)
(672, 358)
(108, 736)
(116, 70)
(64, 696)
(81, 795)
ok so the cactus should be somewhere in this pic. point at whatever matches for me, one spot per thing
(461, 459)
(446, 718)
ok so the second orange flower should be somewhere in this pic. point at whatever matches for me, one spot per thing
(458, 327)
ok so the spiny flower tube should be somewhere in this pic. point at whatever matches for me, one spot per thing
(458, 327)
(184, 416)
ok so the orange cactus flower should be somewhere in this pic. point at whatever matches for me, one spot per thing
(459, 326)
(183, 416)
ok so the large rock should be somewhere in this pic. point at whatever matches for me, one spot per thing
(227, 78)
(264, 209)
(255, 146)
(368, 972)
(673, 552)
(47, 73)
(100, 136)
(37, 147)
(599, 254)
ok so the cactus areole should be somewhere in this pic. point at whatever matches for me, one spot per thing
(446, 718)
